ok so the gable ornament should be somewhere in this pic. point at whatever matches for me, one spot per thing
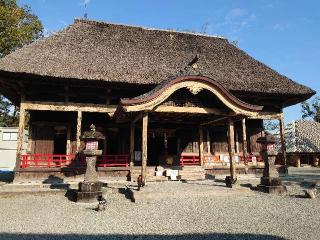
(194, 89)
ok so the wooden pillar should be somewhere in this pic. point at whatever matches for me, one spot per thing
(283, 143)
(201, 156)
(231, 148)
(144, 147)
(237, 141)
(244, 140)
(208, 142)
(68, 147)
(30, 139)
(79, 121)
(132, 144)
(20, 140)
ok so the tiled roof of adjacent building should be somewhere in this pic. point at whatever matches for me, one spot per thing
(303, 136)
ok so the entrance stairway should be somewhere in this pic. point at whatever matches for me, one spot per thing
(190, 173)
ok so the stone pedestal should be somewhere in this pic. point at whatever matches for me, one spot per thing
(90, 188)
(91, 174)
(270, 181)
(89, 192)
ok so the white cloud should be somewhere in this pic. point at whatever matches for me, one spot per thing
(236, 13)
(281, 26)
(234, 22)
(278, 27)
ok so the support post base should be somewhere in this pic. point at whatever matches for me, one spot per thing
(230, 181)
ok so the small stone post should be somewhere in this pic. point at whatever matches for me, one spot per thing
(270, 181)
(90, 188)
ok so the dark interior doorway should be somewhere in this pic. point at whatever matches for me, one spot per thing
(155, 150)
(113, 141)
(60, 143)
(172, 146)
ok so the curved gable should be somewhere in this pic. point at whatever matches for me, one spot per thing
(194, 84)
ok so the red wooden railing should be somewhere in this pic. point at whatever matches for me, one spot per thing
(250, 156)
(45, 160)
(60, 161)
(113, 161)
(189, 160)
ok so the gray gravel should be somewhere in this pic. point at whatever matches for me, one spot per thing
(258, 216)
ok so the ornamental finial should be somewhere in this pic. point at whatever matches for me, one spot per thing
(93, 128)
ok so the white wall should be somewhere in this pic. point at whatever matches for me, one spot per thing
(8, 147)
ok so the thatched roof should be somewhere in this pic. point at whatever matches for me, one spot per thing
(93, 50)
(303, 136)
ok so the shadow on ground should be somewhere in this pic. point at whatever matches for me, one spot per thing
(7, 236)
(6, 177)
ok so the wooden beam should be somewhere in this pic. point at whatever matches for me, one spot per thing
(132, 130)
(231, 148)
(20, 140)
(214, 121)
(201, 145)
(69, 107)
(79, 122)
(266, 116)
(244, 140)
(144, 147)
(68, 147)
(283, 142)
(193, 110)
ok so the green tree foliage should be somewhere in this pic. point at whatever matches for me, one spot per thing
(8, 113)
(271, 126)
(311, 109)
(18, 26)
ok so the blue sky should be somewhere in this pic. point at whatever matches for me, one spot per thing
(284, 34)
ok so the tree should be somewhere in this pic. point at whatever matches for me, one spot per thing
(271, 126)
(311, 109)
(18, 26)
(8, 113)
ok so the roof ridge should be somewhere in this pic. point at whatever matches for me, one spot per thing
(90, 21)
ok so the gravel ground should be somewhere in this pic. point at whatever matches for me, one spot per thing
(258, 216)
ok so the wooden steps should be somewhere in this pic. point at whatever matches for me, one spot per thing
(191, 173)
(151, 175)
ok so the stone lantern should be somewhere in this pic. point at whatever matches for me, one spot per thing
(90, 188)
(270, 181)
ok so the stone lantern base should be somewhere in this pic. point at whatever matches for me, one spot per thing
(272, 185)
(89, 192)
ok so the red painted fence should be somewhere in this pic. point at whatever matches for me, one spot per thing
(189, 160)
(113, 161)
(60, 161)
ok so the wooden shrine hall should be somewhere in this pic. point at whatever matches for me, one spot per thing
(166, 101)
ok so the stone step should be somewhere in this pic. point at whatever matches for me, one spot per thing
(184, 173)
